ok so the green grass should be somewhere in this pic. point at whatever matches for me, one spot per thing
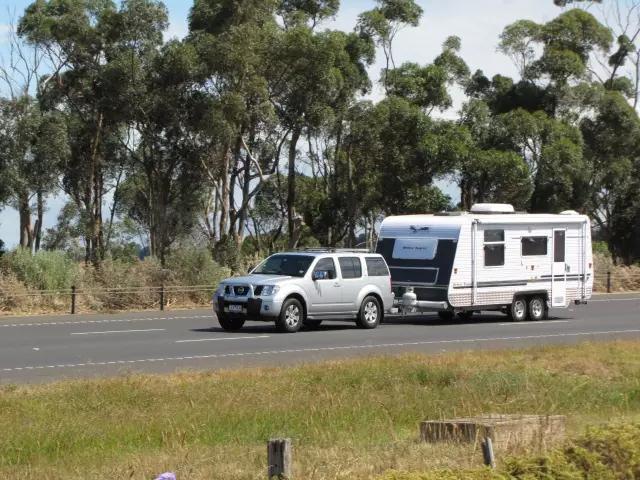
(348, 419)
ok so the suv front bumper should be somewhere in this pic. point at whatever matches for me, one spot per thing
(264, 309)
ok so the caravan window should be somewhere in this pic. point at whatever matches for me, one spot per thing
(534, 246)
(493, 248)
(415, 248)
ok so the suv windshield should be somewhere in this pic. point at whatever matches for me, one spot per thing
(290, 265)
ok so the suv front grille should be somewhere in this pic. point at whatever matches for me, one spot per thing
(241, 291)
(257, 291)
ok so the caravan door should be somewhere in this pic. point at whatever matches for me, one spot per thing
(559, 269)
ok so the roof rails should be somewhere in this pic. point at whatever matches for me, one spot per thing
(333, 250)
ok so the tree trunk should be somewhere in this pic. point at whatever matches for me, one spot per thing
(291, 190)
(224, 195)
(26, 229)
(40, 213)
(93, 200)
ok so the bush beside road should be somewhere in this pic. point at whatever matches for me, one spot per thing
(41, 283)
(348, 419)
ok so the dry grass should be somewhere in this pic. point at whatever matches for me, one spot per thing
(348, 419)
(116, 286)
(623, 278)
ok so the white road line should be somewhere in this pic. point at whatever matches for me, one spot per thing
(121, 331)
(615, 300)
(219, 339)
(323, 349)
(114, 320)
(524, 324)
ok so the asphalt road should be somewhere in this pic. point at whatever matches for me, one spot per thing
(48, 348)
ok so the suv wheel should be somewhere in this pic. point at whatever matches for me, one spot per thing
(230, 324)
(370, 313)
(291, 316)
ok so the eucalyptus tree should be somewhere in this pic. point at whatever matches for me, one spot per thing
(233, 40)
(384, 22)
(32, 142)
(72, 32)
(428, 86)
(612, 150)
(315, 78)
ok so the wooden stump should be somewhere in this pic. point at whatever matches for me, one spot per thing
(279, 458)
(505, 431)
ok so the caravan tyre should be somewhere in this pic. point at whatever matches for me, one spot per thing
(537, 309)
(446, 315)
(518, 310)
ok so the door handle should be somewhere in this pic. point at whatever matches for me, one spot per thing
(336, 284)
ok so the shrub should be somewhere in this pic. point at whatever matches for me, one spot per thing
(41, 271)
(604, 453)
(194, 266)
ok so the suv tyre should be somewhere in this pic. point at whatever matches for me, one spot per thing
(230, 324)
(291, 316)
(370, 313)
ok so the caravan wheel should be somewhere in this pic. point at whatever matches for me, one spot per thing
(518, 310)
(537, 309)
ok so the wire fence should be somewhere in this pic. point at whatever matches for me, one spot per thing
(74, 299)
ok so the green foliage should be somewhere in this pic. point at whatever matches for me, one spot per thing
(610, 452)
(40, 271)
(253, 123)
(195, 266)
(427, 87)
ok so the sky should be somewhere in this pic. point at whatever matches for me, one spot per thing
(477, 23)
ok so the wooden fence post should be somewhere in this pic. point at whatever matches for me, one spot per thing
(487, 453)
(162, 298)
(279, 458)
(609, 281)
(73, 300)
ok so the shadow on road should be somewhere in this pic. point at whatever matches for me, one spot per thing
(428, 320)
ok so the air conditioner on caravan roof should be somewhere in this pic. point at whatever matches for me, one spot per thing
(492, 208)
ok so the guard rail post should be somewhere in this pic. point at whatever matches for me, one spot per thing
(162, 297)
(487, 453)
(609, 281)
(73, 300)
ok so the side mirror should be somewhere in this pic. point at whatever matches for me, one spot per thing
(251, 268)
(320, 275)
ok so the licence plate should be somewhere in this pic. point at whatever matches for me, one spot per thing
(235, 308)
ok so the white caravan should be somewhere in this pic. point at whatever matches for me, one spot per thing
(490, 258)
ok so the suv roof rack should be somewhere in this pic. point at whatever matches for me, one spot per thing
(334, 250)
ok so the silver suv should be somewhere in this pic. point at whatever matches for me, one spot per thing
(306, 287)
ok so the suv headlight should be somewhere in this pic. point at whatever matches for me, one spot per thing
(219, 291)
(269, 290)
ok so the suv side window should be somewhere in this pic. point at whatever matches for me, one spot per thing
(326, 265)
(376, 267)
(350, 267)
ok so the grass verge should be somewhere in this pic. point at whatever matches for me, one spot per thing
(349, 419)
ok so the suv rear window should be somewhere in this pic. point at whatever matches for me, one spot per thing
(376, 267)
(351, 267)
